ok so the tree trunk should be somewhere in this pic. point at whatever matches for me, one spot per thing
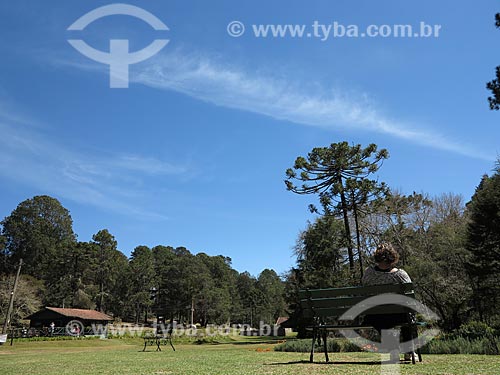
(343, 202)
(12, 296)
(358, 237)
(101, 296)
(101, 281)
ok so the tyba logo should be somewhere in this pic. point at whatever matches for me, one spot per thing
(119, 57)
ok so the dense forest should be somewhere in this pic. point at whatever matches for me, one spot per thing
(60, 271)
(450, 249)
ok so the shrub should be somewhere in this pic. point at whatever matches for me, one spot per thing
(458, 345)
(463, 345)
(54, 338)
(475, 330)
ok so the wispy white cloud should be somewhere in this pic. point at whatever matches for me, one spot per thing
(307, 103)
(107, 181)
(332, 108)
(147, 165)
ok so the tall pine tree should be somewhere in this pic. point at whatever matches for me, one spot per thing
(483, 243)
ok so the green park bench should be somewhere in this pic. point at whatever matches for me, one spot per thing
(323, 308)
(158, 339)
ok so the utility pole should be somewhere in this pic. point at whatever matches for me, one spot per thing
(101, 277)
(192, 312)
(11, 303)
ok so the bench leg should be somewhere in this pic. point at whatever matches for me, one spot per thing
(325, 346)
(312, 346)
(172, 345)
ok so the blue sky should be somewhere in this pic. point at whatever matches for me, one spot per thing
(194, 152)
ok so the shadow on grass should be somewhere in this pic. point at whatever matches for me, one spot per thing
(366, 363)
(369, 363)
(258, 340)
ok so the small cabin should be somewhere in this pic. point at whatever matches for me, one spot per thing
(62, 316)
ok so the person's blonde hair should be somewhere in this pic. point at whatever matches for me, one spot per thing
(385, 253)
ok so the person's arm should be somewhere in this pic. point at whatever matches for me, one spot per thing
(405, 278)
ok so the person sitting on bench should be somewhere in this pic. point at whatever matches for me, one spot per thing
(385, 272)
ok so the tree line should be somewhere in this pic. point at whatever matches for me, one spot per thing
(450, 248)
(60, 271)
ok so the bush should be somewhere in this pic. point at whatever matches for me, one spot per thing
(124, 335)
(53, 338)
(463, 345)
(458, 345)
(475, 330)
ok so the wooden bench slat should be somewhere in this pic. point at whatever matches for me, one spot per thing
(337, 302)
(337, 312)
(331, 302)
(355, 291)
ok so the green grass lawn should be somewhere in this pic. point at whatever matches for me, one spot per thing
(246, 356)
